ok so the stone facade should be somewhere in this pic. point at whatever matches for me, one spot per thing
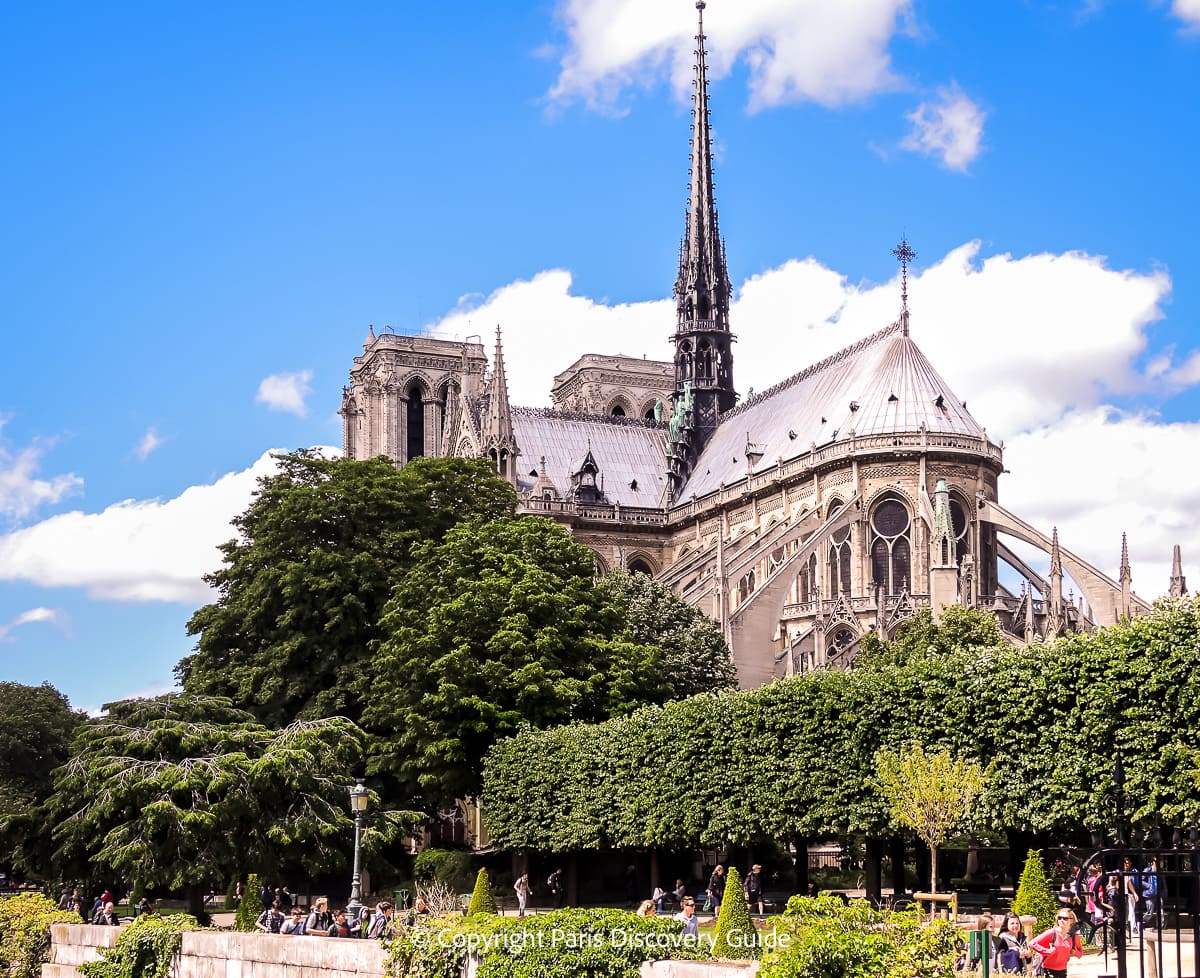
(617, 386)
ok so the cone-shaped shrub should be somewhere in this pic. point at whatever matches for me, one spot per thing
(735, 936)
(482, 900)
(1034, 896)
(251, 907)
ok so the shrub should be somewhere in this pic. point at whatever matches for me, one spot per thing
(735, 936)
(1034, 896)
(25, 932)
(597, 942)
(444, 865)
(144, 949)
(482, 901)
(251, 907)
(822, 937)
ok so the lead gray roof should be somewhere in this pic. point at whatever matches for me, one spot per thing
(626, 450)
(881, 385)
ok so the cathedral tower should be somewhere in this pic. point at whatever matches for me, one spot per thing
(703, 343)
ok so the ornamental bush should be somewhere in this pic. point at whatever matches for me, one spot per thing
(25, 933)
(1034, 896)
(482, 901)
(597, 942)
(821, 937)
(144, 949)
(735, 936)
(251, 907)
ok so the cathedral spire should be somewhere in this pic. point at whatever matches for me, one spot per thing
(1178, 581)
(498, 440)
(703, 354)
(905, 255)
(1125, 579)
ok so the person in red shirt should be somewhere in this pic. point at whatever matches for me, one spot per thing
(1058, 945)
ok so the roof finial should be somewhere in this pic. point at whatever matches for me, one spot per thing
(905, 255)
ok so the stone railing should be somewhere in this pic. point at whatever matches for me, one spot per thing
(852, 446)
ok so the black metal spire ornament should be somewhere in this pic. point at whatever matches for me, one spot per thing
(906, 256)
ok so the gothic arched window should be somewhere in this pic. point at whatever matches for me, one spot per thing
(415, 448)
(891, 546)
(839, 562)
(958, 522)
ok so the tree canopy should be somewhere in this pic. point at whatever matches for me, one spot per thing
(695, 656)
(179, 790)
(798, 756)
(497, 627)
(931, 793)
(301, 587)
(36, 728)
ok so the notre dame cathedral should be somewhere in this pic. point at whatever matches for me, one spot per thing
(833, 504)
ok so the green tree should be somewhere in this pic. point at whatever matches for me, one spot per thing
(932, 794)
(178, 789)
(495, 628)
(251, 906)
(301, 587)
(36, 728)
(695, 656)
(482, 900)
(1034, 897)
(735, 936)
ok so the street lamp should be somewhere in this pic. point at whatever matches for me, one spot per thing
(359, 797)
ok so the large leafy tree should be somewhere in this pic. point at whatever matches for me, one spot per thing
(497, 627)
(180, 790)
(36, 727)
(302, 586)
(695, 656)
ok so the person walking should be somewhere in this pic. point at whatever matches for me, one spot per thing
(716, 888)
(382, 928)
(521, 886)
(1058, 945)
(753, 888)
(558, 887)
(318, 918)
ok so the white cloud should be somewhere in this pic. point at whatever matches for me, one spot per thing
(150, 441)
(1032, 314)
(1188, 11)
(1097, 473)
(797, 50)
(286, 392)
(49, 616)
(950, 128)
(21, 491)
(147, 550)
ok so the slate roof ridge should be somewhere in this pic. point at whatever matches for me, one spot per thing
(829, 361)
(554, 414)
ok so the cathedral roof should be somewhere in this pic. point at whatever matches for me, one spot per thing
(628, 452)
(883, 384)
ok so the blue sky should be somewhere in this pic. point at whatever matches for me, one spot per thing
(202, 198)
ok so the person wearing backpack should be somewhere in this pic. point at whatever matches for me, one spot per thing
(270, 921)
(295, 925)
(1058, 945)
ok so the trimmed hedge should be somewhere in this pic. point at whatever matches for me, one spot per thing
(25, 922)
(482, 900)
(797, 757)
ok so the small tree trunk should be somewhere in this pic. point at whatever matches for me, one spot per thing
(195, 903)
(933, 854)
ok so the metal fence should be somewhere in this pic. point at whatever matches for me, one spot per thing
(1145, 911)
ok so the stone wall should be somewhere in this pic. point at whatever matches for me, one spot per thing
(227, 954)
(233, 954)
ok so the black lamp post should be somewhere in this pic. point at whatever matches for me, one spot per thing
(359, 797)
